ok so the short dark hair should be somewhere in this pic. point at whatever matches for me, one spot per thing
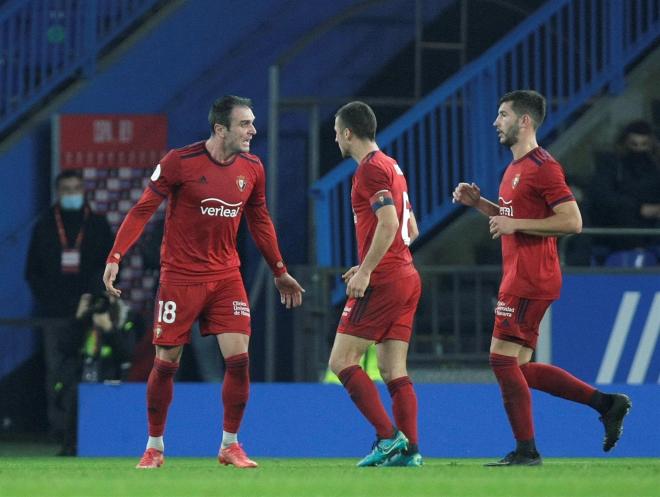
(222, 107)
(638, 127)
(359, 118)
(66, 174)
(526, 102)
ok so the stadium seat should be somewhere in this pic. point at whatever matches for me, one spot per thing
(636, 258)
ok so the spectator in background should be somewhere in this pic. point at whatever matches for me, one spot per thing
(109, 330)
(625, 189)
(65, 260)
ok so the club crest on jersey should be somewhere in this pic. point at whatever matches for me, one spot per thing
(241, 183)
(515, 181)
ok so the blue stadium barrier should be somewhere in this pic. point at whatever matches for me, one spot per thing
(314, 420)
(605, 328)
(569, 50)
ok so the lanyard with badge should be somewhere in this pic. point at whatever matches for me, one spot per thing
(70, 255)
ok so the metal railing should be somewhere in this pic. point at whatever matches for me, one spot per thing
(45, 43)
(569, 50)
(453, 324)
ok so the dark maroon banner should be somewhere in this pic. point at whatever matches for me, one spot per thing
(111, 140)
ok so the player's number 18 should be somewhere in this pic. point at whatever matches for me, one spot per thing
(166, 311)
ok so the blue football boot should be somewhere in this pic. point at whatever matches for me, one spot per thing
(401, 459)
(383, 449)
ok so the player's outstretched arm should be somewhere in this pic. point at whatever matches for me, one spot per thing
(469, 194)
(290, 290)
(129, 231)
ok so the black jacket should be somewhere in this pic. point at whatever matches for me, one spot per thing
(619, 187)
(57, 294)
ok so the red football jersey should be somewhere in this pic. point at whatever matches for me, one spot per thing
(379, 181)
(530, 188)
(206, 200)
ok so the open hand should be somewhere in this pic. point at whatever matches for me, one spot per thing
(290, 290)
(109, 277)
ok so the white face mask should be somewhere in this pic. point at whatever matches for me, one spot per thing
(72, 202)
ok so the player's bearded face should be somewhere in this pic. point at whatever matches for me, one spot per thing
(507, 125)
(509, 137)
(241, 130)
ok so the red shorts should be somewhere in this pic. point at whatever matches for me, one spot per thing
(221, 307)
(517, 319)
(385, 312)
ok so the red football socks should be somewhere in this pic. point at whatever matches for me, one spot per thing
(515, 394)
(235, 391)
(404, 407)
(160, 387)
(364, 394)
(557, 382)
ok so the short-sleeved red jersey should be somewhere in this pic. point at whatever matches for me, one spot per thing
(530, 188)
(379, 181)
(206, 200)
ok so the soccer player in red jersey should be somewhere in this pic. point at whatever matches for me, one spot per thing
(535, 206)
(208, 185)
(382, 291)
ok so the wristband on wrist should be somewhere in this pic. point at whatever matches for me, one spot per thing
(116, 257)
(279, 269)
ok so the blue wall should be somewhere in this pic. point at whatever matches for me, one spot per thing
(205, 49)
(311, 420)
(596, 309)
(22, 197)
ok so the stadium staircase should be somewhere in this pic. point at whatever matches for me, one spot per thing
(46, 46)
(572, 51)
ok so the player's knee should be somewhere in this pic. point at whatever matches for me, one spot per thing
(386, 375)
(389, 374)
(169, 353)
(337, 364)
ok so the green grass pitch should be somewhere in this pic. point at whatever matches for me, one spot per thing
(188, 477)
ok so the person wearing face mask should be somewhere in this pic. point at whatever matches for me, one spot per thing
(625, 189)
(65, 260)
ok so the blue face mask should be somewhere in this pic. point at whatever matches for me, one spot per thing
(72, 202)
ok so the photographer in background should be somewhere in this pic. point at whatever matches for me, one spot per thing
(99, 348)
(109, 333)
(65, 260)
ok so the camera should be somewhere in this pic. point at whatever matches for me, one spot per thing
(100, 304)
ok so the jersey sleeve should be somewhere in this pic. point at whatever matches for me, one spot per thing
(261, 226)
(551, 184)
(164, 179)
(376, 186)
(167, 174)
(134, 222)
